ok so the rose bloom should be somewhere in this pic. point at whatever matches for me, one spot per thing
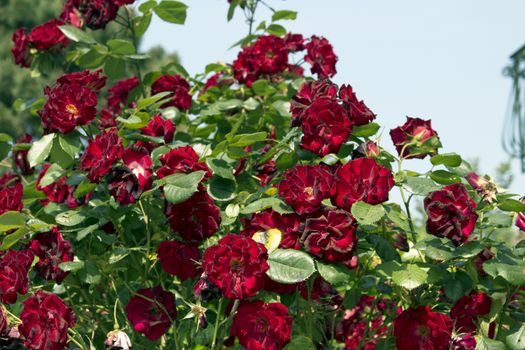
(195, 219)
(139, 162)
(11, 193)
(71, 14)
(96, 14)
(182, 159)
(294, 42)
(93, 80)
(304, 187)
(237, 265)
(118, 93)
(124, 185)
(157, 127)
(178, 86)
(463, 342)
(45, 321)
(206, 291)
(146, 315)
(47, 35)
(100, 155)
(179, 259)
(451, 213)
(331, 236)
(321, 292)
(52, 250)
(485, 187)
(211, 82)
(14, 267)
(262, 326)
(362, 179)
(368, 149)
(325, 127)
(415, 139)
(309, 91)
(320, 55)
(466, 310)
(357, 111)
(20, 48)
(20, 156)
(289, 225)
(422, 329)
(59, 191)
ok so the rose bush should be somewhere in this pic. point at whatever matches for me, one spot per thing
(249, 206)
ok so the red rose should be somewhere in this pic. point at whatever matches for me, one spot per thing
(290, 226)
(422, 329)
(279, 288)
(357, 111)
(184, 160)
(59, 191)
(484, 186)
(157, 127)
(151, 312)
(118, 93)
(11, 193)
(51, 249)
(47, 35)
(463, 342)
(206, 291)
(123, 185)
(267, 56)
(71, 14)
(466, 310)
(195, 219)
(237, 265)
(325, 127)
(45, 322)
(20, 49)
(100, 154)
(484, 255)
(362, 180)
(321, 292)
(265, 172)
(139, 162)
(321, 56)
(14, 267)
(92, 80)
(451, 213)
(368, 149)
(176, 84)
(107, 119)
(294, 42)
(262, 326)
(179, 259)
(96, 13)
(415, 139)
(20, 156)
(123, 2)
(309, 92)
(304, 187)
(210, 82)
(331, 235)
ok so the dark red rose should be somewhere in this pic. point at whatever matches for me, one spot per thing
(151, 312)
(182, 159)
(158, 127)
(124, 185)
(357, 111)
(265, 172)
(325, 127)
(45, 322)
(237, 265)
(47, 35)
(14, 267)
(52, 250)
(422, 329)
(331, 236)
(107, 119)
(294, 42)
(123, 2)
(463, 342)
(466, 310)
(97, 13)
(484, 255)
(266, 57)
(321, 292)
(20, 49)
(321, 56)
(206, 291)
(139, 162)
(71, 14)
(118, 94)
(179, 259)
(100, 154)
(304, 187)
(20, 156)
(211, 82)
(368, 149)
(11, 193)
(178, 86)
(59, 191)
(290, 226)
(362, 180)
(92, 80)
(310, 91)
(262, 326)
(279, 288)
(451, 213)
(195, 219)
(415, 139)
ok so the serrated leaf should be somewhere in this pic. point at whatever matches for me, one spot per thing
(11, 220)
(290, 266)
(410, 276)
(53, 173)
(300, 343)
(516, 340)
(265, 203)
(71, 266)
(420, 186)
(171, 11)
(448, 159)
(10, 240)
(40, 150)
(180, 187)
(514, 274)
(284, 15)
(367, 214)
(336, 275)
(70, 218)
(78, 35)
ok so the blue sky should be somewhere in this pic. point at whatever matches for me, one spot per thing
(439, 60)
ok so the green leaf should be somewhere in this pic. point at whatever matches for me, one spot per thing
(77, 35)
(514, 274)
(148, 101)
(115, 67)
(283, 108)
(512, 205)
(265, 203)
(171, 11)
(420, 186)
(40, 150)
(290, 266)
(336, 275)
(437, 250)
(180, 187)
(244, 140)
(120, 47)
(516, 340)
(367, 214)
(276, 29)
(10, 220)
(231, 10)
(142, 23)
(483, 343)
(366, 130)
(284, 15)
(448, 159)
(457, 285)
(222, 189)
(70, 143)
(220, 168)
(118, 254)
(53, 173)
(92, 59)
(300, 343)
(5, 148)
(410, 276)
(260, 87)
(71, 266)
(398, 217)
(229, 105)
(11, 239)
(70, 218)
(137, 120)
(384, 248)
(444, 177)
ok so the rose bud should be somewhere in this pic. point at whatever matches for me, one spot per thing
(117, 340)
(237, 265)
(100, 155)
(11, 193)
(304, 187)
(415, 139)
(14, 267)
(368, 149)
(205, 290)
(20, 48)
(260, 325)
(421, 328)
(179, 259)
(48, 35)
(146, 315)
(203, 322)
(20, 156)
(486, 188)
(451, 213)
(466, 310)
(320, 55)
(178, 86)
(357, 111)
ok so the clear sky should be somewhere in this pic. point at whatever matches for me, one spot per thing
(439, 59)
